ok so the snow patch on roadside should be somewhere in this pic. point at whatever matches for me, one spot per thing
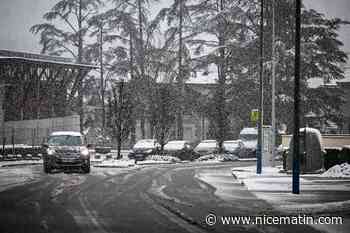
(225, 186)
(338, 171)
(276, 187)
(116, 163)
(14, 176)
(314, 208)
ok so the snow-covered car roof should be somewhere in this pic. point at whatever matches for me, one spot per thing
(232, 141)
(175, 145)
(71, 133)
(208, 141)
(252, 144)
(232, 144)
(146, 143)
(249, 131)
(206, 144)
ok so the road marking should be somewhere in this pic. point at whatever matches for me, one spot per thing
(182, 221)
(89, 218)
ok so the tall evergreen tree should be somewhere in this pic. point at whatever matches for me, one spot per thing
(69, 39)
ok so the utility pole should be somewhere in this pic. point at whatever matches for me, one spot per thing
(261, 92)
(273, 108)
(296, 156)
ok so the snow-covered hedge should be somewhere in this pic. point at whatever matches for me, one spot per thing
(218, 158)
(167, 158)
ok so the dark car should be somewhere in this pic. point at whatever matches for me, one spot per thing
(65, 150)
(180, 149)
(144, 148)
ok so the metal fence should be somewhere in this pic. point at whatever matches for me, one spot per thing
(35, 132)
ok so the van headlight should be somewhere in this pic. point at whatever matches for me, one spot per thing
(50, 151)
(84, 151)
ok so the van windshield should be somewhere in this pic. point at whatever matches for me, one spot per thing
(248, 137)
(64, 140)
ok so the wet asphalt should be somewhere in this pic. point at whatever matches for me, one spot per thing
(154, 198)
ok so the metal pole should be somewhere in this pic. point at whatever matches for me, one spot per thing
(102, 90)
(273, 110)
(121, 108)
(261, 93)
(296, 156)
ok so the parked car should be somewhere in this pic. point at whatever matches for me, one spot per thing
(144, 148)
(66, 149)
(233, 147)
(206, 147)
(180, 149)
(249, 138)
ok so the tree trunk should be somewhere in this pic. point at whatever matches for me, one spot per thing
(142, 65)
(143, 129)
(80, 75)
(120, 120)
(180, 79)
(133, 114)
(221, 113)
(102, 85)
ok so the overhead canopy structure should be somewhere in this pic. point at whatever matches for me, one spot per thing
(35, 86)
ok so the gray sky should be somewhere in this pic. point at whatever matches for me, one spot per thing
(17, 16)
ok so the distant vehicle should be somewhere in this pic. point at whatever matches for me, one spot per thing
(180, 149)
(311, 151)
(206, 147)
(249, 138)
(144, 148)
(66, 149)
(233, 147)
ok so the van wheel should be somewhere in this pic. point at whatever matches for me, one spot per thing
(86, 167)
(47, 167)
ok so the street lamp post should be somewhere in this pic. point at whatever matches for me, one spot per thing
(273, 107)
(261, 92)
(296, 156)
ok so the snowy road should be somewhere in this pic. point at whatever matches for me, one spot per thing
(156, 198)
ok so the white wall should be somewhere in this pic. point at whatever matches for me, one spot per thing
(35, 131)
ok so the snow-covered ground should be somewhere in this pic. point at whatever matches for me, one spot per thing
(14, 176)
(20, 163)
(319, 193)
(116, 163)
